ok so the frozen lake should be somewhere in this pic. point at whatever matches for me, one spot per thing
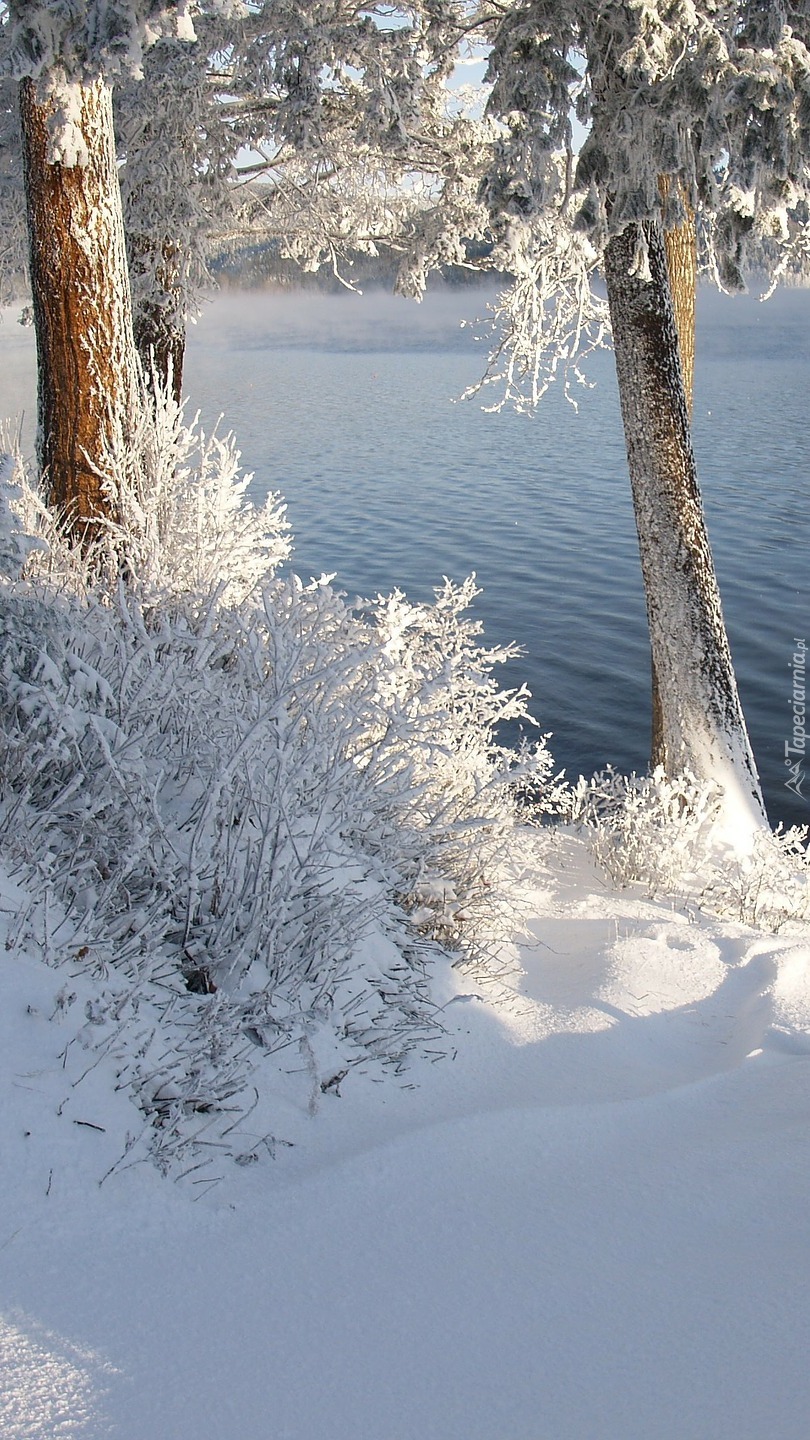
(346, 405)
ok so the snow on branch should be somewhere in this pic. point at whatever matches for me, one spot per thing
(688, 110)
(95, 39)
(549, 319)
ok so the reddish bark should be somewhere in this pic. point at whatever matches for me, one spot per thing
(88, 369)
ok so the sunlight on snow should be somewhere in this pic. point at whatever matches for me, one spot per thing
(49, 1388)
(526, 1022)
(526, 1019)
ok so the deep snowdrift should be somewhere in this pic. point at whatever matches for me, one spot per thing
(588, 1221)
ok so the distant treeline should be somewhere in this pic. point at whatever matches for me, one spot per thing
(254, 266)
(258, 264)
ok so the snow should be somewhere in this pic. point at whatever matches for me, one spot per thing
(588, 1221)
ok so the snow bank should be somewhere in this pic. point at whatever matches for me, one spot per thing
(588, 1219)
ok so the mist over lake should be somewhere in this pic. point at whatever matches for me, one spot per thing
(348, 405)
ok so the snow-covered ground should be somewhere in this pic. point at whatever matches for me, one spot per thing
(589, 1221)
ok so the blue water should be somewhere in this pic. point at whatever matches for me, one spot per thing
(346, 405)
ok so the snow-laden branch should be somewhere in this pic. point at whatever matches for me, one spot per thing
(547, 321)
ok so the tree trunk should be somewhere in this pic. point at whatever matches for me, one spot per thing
(681, 247)
(159, 323)
(702, 725)
(681, 250)
(88, 368)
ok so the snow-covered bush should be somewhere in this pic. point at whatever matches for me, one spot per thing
(647, 829)
(768, 889)
(660, 833)
(252, 809)
(183, 528)
(15, 546)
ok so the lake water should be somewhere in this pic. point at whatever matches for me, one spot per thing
(347, 405)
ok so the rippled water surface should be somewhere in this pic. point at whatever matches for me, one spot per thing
(346, 405)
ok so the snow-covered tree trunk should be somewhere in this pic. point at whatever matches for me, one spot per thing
(88, 368)
(701, 720)
(681, 250)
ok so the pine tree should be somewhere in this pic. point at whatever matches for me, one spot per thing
(692, 111)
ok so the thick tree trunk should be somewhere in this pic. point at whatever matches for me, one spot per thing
(159, 324)
(702, 725)
(88, 368)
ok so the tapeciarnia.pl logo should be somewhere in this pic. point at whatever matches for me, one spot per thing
(796, 747)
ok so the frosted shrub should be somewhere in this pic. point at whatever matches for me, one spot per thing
(440, 706)
(15, 545)
(252, 810)
(183, 526)
(659, 833)
(768, 889)
(646, 828)
(182, 518)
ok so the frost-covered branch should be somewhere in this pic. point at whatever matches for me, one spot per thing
(548, 320)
